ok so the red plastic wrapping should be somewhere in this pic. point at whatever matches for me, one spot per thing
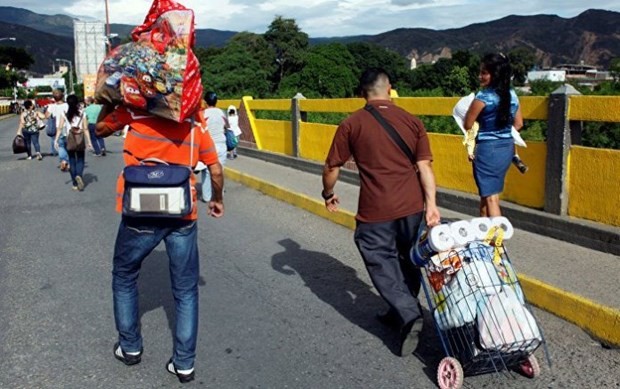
(157, 72)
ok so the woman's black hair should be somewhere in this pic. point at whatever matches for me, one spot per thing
(27, 104)
(499, 67)
(74, 107)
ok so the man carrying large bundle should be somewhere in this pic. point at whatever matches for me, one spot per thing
(156, 192)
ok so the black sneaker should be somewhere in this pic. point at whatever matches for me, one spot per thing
(127, 359)
(389, 318)
(183, 378)
(410, 336)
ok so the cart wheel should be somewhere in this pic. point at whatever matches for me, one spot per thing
(450, 373)
(530, 367)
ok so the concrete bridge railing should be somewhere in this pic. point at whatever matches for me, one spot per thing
(564, 178)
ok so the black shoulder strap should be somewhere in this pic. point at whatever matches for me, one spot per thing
(392, 132)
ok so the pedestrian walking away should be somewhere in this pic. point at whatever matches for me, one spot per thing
(29, 124)
(216, 126)
(75, 121)
(152, 138)
(92, 111)
(496, 109)
(53, 113)
(393, 197)
(235, 130)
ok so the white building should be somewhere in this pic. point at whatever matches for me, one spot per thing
(549, 75)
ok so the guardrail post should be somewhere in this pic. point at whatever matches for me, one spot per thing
(296, 117)
(558, 147)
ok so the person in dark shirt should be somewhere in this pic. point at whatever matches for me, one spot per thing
(395, 195)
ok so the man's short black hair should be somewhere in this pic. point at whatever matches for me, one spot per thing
(369, 78)
(211, 98)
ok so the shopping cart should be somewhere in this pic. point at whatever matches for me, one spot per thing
(479, 311)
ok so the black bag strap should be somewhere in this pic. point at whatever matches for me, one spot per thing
(391, 132)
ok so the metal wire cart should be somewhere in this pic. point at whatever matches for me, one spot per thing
(479, 310)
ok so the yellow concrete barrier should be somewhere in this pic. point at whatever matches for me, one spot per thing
(587, 169)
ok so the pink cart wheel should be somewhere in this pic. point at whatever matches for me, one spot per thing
(530, 367)
(450, 374)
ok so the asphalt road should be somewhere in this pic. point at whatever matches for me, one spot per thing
(285, 300)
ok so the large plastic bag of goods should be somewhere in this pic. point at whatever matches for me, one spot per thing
(157, 72)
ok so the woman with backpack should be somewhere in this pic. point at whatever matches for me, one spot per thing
(74, 125)
(29, 126)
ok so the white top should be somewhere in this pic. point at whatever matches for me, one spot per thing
(57, 111)
(75, 122)
(216, 123)
(233, 120)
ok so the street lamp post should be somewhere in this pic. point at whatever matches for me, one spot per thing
(70, 73)
(107, 27)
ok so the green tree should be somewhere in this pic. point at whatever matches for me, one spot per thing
(328, 71)
(471, 62)
(369, 55)
(522, 59)
(614, 69)
(234, 73)
(16, 56)
(258, 47)
(543, 87)
(289, 43)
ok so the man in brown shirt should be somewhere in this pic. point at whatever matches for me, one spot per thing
(394, 196)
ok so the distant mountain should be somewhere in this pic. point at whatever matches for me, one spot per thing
(61, 25)
(592, 37)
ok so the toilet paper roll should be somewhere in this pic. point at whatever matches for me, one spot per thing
(440, 238)
(481, 226)
(462, 232)
(504, 224)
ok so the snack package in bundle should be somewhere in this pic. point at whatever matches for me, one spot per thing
(157, 72)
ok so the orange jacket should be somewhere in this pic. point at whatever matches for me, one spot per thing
(154, 137)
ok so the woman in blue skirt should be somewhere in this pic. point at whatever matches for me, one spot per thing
(496, 109)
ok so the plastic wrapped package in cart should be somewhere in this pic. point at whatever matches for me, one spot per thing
(458, 300)
(506, 325)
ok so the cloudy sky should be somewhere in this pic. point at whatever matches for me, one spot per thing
(324, 18)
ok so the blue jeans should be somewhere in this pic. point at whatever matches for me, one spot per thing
(135, 240)
(62, 149)
(31, 137)
(53, 150)
(98, 143)
(76, 164)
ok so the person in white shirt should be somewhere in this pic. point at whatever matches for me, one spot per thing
(54, 112)
(233, 123)
(217, 123)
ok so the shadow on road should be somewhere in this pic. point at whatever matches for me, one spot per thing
(337, 285)
(154, 286)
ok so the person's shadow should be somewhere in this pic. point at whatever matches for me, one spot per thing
(339, 286)
(154, 287)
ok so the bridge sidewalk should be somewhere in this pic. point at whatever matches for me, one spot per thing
(571, 281)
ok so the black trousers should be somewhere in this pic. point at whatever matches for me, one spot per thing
(385, 249)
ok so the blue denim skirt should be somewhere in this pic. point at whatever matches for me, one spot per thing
(491, 162)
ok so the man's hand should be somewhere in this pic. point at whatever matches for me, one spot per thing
(332, 203)
(216, 209)
(432, 216)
